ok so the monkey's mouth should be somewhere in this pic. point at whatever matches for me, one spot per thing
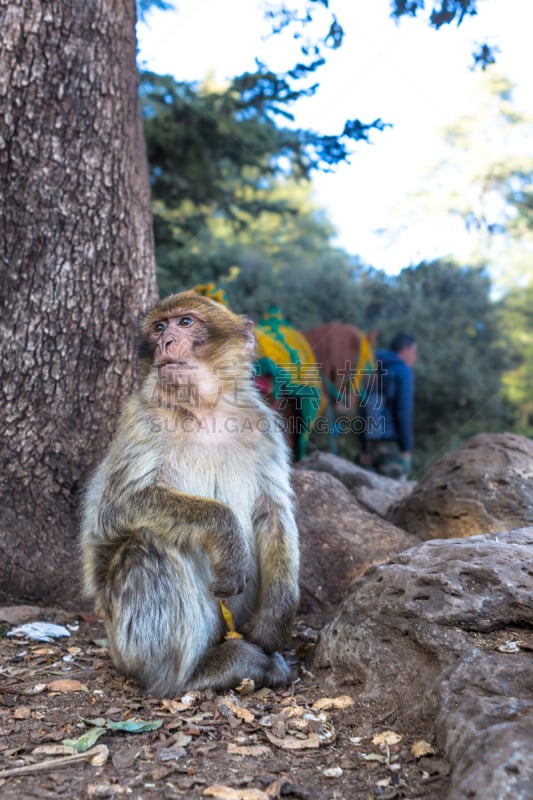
(174, 371)
(173, 363)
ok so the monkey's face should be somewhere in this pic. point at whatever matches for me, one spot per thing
(177, 344)
(195, 341)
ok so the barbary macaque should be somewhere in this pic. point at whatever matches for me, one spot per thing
(192, 503)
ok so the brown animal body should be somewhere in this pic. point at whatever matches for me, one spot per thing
(192, 503)
(336, 346)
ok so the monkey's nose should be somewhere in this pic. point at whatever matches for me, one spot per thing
(165, 343)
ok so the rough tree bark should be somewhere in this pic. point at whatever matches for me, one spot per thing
(78, 269)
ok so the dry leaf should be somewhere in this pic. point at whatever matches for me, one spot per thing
(174, 706)
(181, 739)
(279, 727)
(327, 703)
(332, 772)
(253, 750)
(509, 647)
(296, 716)
(302, 725)
(313, 722)
(183, 704)
(387, 737)
(171, 753)
(53, 750)
(327, 733)
(66, 685)
(246, 686)
(39, 688)
(422, 748)
(227, 706)
(311, 742)
(268, 720)
(227, 793)
(262, 693)
(292, 711)
(22, 712)
(125, 758)
(373, 757)
(199, 717)
(190, 698)
(98, 755)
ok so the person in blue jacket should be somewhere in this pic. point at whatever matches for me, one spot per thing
(388, 429)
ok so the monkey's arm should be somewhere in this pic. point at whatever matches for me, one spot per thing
(191, 524)
(278, 555)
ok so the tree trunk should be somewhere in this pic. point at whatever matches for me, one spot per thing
(76, 244)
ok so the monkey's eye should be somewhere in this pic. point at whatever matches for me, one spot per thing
(186, 321)
(159, 327)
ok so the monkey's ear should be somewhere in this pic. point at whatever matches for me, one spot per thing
(250, 344)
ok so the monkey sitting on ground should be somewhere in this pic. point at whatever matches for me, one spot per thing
(192, 503)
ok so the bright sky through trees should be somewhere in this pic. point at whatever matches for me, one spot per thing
(414, 77)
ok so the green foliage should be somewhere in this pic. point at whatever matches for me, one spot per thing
(219, 151)
(443, 12)
(283, 260)
(231, 199)
(516, 320)
(144, 6)
(298, 16)
(490, 145)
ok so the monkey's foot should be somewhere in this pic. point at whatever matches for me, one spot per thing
(280, 671)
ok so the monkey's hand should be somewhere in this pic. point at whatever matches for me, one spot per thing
(197, 524)
(231, 563)
(228, 585)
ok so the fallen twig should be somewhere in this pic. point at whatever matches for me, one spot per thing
(99, 752)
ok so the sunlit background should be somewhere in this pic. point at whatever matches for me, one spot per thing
(432, 218)
(416, 78)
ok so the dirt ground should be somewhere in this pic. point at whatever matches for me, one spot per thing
(244, 745)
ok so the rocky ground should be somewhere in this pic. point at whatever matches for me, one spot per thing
(72, 727)
(419, 685)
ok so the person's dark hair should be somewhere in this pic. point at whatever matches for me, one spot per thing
(400, 341)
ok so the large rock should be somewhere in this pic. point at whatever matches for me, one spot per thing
(339, 539)
(443, 635)
(376, 493)
(485, 486)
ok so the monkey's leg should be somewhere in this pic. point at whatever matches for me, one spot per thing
(225, 665)
(160, 616)
(163, 624)
(278, 555)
